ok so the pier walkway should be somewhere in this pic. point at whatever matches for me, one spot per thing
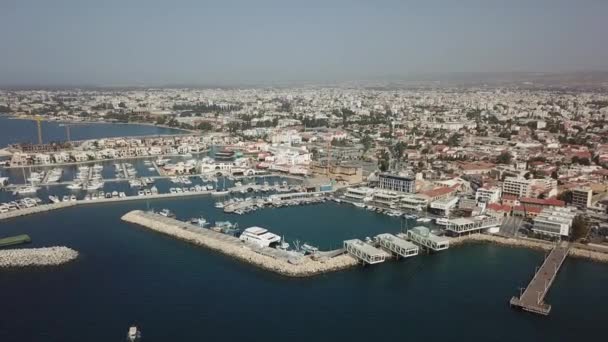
(532, 299)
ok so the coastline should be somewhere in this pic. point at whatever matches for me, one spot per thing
(21, 117)
(574, 251)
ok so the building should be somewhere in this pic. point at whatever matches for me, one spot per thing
(554, 222)
(397, 183)
(443, 206)
(581, 197)
(488, 194)
(522, 187)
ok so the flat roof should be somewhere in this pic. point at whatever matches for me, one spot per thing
(364, 247)
(397, 241)
(391, 176)
(256, 230)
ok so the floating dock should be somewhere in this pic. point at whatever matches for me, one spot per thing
(532, 299)
(15, 240)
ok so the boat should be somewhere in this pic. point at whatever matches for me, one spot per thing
(259, 236)
(308, 249)
(284, 245)
(54, 199)
(220, 193)
(442, 221)
(166, 213)
(95, 185)
(25, 190)
(424, 220)
(72, 198)
(75, 186)
(201, 222)
(359, 205)
(134, 334)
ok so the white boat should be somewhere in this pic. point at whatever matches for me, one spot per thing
(442, 221)
(75, 186)
(166, 213)
(359, 205)
(424, 220)
(54, 199)
(25, 190)
(220, 193)
(96, 185)
(133, 334)
(259, 236)
(72, 198)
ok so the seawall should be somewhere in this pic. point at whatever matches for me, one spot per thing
(47, 256)
(36, 209)
(575, 251)
(233, 247)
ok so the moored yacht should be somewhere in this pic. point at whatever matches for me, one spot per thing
(259, 236)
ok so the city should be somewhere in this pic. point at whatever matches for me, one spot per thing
(231, 171)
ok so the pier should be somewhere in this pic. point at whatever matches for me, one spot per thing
(47, 256)
(266, 258)
(15, 240)
(532, 298)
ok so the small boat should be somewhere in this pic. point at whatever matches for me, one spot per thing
(134, 334)
(308, 249)
(424, 220)
(359, 205)
(220, 193)
(75, 186)
(166, 213)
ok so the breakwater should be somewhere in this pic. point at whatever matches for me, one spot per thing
(304, 266)
(579, 251)
(47, 256)
(35, 210)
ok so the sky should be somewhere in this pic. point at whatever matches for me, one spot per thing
(152, 42)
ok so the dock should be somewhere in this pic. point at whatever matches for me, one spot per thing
(15, 240)
(532, 298)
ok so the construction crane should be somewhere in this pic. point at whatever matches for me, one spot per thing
(39, 123)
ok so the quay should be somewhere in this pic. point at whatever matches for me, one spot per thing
(47, 256)
(532, 298)
(264, 258)
(15, 240)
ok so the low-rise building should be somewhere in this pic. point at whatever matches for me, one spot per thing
(554, 222)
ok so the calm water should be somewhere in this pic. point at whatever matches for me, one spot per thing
(178, 292)
(16, 131)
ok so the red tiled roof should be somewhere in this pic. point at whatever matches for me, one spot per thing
(439, 192)
(528, 209)
(499, 207)
(548, 201)
(509, 197)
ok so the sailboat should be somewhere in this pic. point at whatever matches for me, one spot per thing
(222, 192)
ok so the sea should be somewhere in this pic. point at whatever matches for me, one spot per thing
(26, 131)
(174, 291)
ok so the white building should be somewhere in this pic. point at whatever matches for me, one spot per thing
(554, 221)
(581, 197)
(488, 194)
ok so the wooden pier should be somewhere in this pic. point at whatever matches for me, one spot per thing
(532, 298)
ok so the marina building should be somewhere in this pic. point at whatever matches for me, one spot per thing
(422, 236)
(443, 206)
(397, 183)
(463, 225)
(413, 202)
(397, 245)
(364, 252)
(554, 221)
(581, 197)
(358, 194)
(487, 194)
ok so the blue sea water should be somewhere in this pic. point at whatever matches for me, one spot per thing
(18, 131)
(175, 291)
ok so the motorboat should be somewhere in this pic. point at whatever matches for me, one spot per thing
(442, 221)
(133, 334)
(166, 213)
(259, 236)
(75, 186)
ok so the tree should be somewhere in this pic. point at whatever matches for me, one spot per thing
(399, 148)
(504, 158)
(554, 174)
(454, 140)
(580, 227)
(384, 161)
(367, 142)
(205, 126)
(565, 196)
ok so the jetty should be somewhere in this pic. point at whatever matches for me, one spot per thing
(532, 298)
(265, 258)
(47, 256)
(15, 240)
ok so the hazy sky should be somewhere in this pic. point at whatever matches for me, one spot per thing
(130, 42)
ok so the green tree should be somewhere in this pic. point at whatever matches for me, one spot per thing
(504, 158)
(580, 227)
(367, 142)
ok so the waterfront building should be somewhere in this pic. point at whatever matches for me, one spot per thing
(443, 206)
(387, 198)
(413, 202)
(472, 224)
(358, 194)
(422, 236)
(397, 183)
(488, 194)
(581, 197)
(522, 187)
(554, 221)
